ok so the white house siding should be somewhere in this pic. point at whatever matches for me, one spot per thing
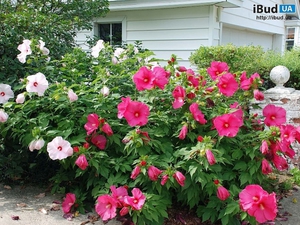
(246, 37)
(178, 31)
(241, 27)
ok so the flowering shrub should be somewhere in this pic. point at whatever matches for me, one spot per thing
(114, 118)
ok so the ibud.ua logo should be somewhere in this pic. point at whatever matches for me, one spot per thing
(282, 8)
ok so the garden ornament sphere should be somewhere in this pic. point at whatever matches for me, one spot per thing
(279, 75)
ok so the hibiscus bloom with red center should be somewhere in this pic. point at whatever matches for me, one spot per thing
(137, 200)
(92, 123)
(106, 207)
(227, 125)
(144, 79)
(227, 84)
(274, 115)
(137, 113)
(161, 77)
(258, 203)
(216, 69)
(5, 93)
(119, 194)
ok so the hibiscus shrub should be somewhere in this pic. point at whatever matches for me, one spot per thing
(138, 138)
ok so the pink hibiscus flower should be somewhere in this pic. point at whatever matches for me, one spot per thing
(258, 203)
(197, 114)
(5, 93)
(153, 173)
(144, 79)
(137, 200)
(285, 147)
(179, 177)
(37, 83)
(245, 83)
(68, 202)
(274, 115)
(119, 194)
(81, 162)
(106, 207)
(92, 123)
(179, 95)
(122, 107)
(137, 113)
(227, 125)
(216, 69)
(161, 77)
(59, 149)
(227, 84)
(99, 141)
(288, 133)
(266, 210)
(258, 95)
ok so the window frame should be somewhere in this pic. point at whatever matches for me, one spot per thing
(288, 39)
(108, 20)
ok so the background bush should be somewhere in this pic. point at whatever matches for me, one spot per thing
(54, 22)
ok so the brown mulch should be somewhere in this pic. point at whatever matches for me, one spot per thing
(185, 217)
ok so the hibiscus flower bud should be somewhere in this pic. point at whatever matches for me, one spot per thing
(107, 129)
(143, 163)
(264, 148)
(181, 69)
(76, 149)
(136, 171)
(258, 95)
(222, 193)
(164, 179)
(153, 173)
(210, 157)
(36, 144)
(104, 91)
(86, 145)
(72, 96)
(183, 132)
(20, 98)
(216, 182)
(200, 138)
(179, 177)
(265, 167)
(124, 211)
(81, 162)
(3, 116)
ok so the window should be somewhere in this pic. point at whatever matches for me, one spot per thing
(290, 38)
(110, 32)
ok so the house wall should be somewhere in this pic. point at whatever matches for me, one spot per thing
(242, 27)
(178, 31)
